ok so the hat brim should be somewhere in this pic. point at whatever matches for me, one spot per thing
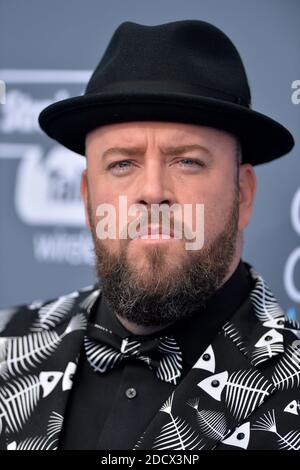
(69, 121)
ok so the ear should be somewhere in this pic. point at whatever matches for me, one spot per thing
(247, 187)
(84, 196)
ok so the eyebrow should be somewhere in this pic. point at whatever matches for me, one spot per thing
(169, 150)
(179, 150)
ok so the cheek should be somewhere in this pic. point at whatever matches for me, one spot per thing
(217, 209)
(99, 191)
(109, 218)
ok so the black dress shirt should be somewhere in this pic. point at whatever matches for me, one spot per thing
(110, 411)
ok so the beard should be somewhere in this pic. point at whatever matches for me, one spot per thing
(157, 295)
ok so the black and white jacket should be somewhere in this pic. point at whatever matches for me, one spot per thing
(242, 393)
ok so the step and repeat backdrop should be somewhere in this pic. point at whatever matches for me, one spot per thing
(47, 53)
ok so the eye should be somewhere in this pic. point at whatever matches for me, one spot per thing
(120, 166)
(191, 162)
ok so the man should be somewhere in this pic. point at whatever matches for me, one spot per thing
(173, 347)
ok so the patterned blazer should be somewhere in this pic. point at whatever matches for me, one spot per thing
(242, 392)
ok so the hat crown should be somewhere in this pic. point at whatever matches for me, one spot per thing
(185, 72)
(189, 56)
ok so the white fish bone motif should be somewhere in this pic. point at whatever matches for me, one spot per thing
(215, 384)
(53, 313)
(35, 304)
(90, 300)
(293, 408)
(170, 365)
(26, 352)
(265, 305)
(3, 348)
(283, 323)
(19, 398)
(176, 434)
(270, 337)
(232, 332)
(269, 345)
(206, 361)
(137, 445)
(267, 423)
(103, 357)
(67, 381)
(240, 437)
(277, 323)
(244, 390)
(47, 442)
(287, 371)
(3, 354)
(211, 422)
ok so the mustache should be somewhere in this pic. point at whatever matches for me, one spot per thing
(158, 223)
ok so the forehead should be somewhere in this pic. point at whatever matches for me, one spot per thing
(141, 133)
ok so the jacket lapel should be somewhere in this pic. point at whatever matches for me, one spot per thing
(37, 372)
(230, 380)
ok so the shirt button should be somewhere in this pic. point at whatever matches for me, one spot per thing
(130, 392)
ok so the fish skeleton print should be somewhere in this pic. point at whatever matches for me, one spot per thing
(241, 393)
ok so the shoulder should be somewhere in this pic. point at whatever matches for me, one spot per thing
(45, 314)
(262, 328)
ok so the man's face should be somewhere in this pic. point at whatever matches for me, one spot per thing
(155, 282)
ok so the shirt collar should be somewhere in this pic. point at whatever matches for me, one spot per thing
(195, 333)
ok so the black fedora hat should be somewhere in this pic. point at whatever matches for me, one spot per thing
(184, 71)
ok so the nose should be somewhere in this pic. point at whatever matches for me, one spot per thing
(154, 185)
